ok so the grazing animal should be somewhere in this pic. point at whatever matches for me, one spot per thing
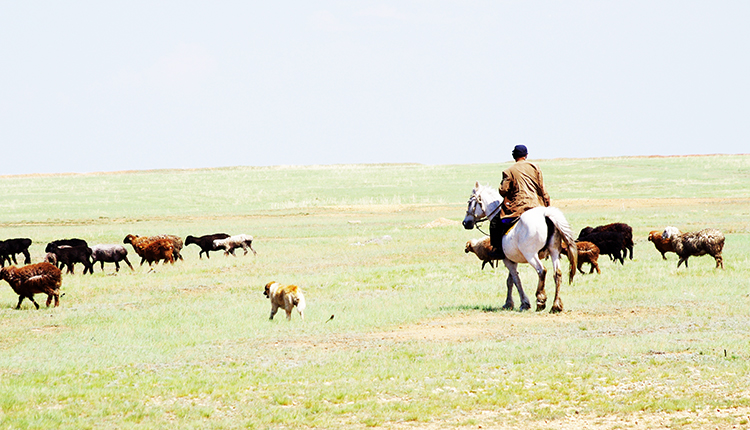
(660, 243)
(626, 230)
(587, 253)
(611, 243)
(33, 279)
(113, 253)
(206, 243)
(151, 250)
(176, 244)
(707, 241)
(231, 243)
(10, 247)
(285, 297)
(68, 256)
(539, 232)
(483, 250)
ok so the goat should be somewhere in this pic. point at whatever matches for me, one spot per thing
(483, 250)
(611, 243)
(10, 247)
(151, 250)
(626, 230)
(231, 243)
(69, 255)
(707, 241)
(206, 243)
(110, 254)
(662, 245)
(34, 279)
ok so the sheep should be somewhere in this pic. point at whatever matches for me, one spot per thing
(151, 250)
(10, 247)
(33, 279)
(63, 243)
(626, 230)
(176, 244)
(587, 253)
(483, 250)
(233, 242)
(206, 243)
(110, 254)
(707, 241)
(660, 243)
(611, 243)
(69, 255)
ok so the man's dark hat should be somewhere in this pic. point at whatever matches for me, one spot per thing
(520, 151)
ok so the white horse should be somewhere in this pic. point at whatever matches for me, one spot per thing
(539, 232)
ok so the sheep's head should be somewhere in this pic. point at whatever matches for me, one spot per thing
(654, 235)
(129, 239)
(670, 232)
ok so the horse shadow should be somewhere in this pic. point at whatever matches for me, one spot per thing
(481, 308)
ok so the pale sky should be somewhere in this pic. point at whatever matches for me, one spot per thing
(106, 85)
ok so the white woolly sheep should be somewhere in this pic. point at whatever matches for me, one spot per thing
(231, 243)
(707, 241)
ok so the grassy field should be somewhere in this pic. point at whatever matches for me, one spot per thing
(418, 339)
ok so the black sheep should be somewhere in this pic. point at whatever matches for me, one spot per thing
(68, 256)
(611, 243)
(110, 254)
(10, 247)
(206, 243)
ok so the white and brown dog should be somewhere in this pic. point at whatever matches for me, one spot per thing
(286, 297)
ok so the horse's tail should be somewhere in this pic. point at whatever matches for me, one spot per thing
(563, 227)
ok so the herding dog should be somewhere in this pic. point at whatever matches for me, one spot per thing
(286, 297)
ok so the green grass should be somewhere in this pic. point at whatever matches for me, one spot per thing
(417, 337)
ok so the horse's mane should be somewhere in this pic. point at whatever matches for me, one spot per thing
(491, 199)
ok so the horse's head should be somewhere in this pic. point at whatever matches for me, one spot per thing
(484, 203)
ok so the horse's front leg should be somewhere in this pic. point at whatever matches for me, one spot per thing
(513, 276)
(509, 298)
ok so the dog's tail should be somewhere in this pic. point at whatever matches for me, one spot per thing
(299, 301)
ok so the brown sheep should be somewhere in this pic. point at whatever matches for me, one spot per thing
(661, 245)
(34, 279)
(483, 250)
(151, 250)
(707, 241)
(587, 253)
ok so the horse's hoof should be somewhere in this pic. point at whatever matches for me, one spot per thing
(507, 307)
(555, 310)
(524, 307)
(540, 307)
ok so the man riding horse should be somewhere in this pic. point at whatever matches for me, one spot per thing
(522, 189)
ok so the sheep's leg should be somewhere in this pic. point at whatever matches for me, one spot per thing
(244, 248)
(682, 260)
(719, 261)
(14, 258)
(102, 264)
(117, 266)
(27, 259)
(31, 297)
(20, 299)
(125, 259)
(250, 245)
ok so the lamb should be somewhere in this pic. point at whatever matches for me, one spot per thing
(626, 230)
(10, 247)
(151, 250)
(206, 243)
(68, 256)
(587, 253)
(707, 241)
(611, 243)
(34, 279)
(483, 250)
(660, 243)
(110, 254)
(233, 242)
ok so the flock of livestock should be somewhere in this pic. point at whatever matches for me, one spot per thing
(46, 277)
(616, 240)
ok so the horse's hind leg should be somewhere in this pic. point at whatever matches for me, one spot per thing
(557, 305)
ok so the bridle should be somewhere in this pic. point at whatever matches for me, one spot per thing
(475, 199)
